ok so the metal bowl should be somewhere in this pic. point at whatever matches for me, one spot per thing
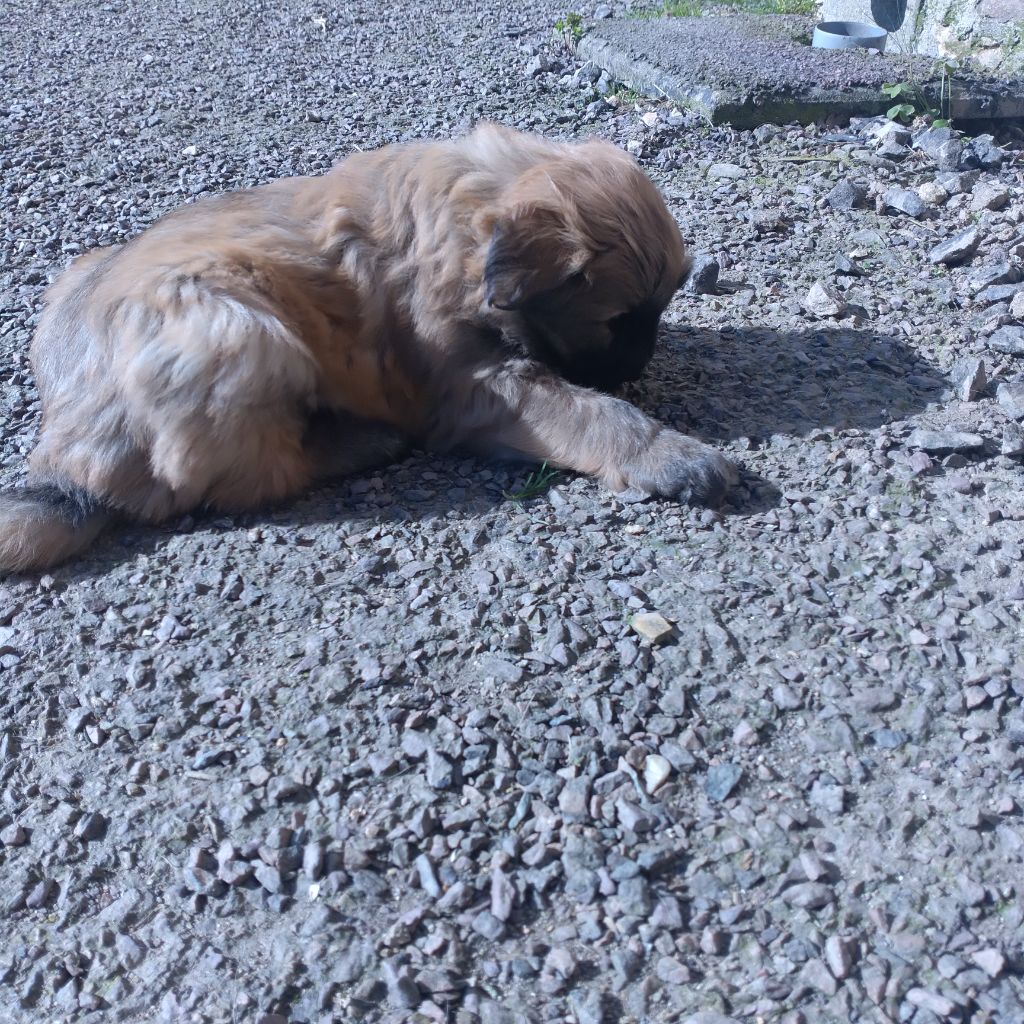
(849, 35)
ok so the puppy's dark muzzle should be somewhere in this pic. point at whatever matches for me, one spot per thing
(607, 371)
(625, 359)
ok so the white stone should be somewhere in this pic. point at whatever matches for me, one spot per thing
(656, 772)
(824, 300)
(651, 626)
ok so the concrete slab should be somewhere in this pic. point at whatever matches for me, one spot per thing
(749, 70)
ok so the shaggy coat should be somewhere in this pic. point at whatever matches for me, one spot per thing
(475, 292)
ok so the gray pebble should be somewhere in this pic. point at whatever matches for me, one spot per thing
(1009, 340)
(904, 201)
(846, 195)
(1011, 398)
(489, 926)
(703, 278)
(721, 780)
(809, 895)
(91, 826)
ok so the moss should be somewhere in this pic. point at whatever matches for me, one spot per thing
(695, 8)
(953, 12)
(919, 21)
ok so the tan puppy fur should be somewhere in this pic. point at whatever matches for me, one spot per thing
(473, 292)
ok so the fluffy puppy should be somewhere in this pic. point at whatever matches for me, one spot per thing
(482, 292)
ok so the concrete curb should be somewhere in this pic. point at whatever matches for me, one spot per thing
(769, 96)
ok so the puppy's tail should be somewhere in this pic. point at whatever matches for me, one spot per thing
(41, 526)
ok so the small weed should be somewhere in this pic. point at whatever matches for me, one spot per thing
(913, 99)
(1001, 907)
(681, 8)
(536, 483)
(896, 495)
(628, 95)
(901, 111)
(695, 8)
(625, 95)
(570, 28)
(777, 6)
(670, 9)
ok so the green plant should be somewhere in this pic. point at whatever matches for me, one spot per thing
(914, 100)
(570, 28)
(670, 9)
(628, 95)
(903, 111)
(536, 483)
(777, 6)
(947, 68)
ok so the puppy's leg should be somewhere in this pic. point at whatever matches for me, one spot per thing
(520, 407)
(338, 444)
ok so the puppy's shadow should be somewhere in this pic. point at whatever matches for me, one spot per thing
(717, 385)
(757, 384)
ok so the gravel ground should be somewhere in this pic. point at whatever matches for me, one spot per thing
(414, 750)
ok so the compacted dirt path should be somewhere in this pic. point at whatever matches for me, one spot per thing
(399, 752)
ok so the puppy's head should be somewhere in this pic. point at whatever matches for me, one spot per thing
(585, 257)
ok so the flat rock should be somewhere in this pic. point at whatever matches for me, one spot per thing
(1003, 272)
(997, 293)
(808, 895)
(818, 976)
(957, 249)
(732, 172)
(848, 267)
(672, 972)
(652, 626)
(944, 441)
(1013, 440)
(1009, 340)
(721, 780)
(904, 200)
(969, 378)
(934, 1002)
(1011, 398)
(989, 195)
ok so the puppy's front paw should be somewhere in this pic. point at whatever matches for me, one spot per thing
(676, 466)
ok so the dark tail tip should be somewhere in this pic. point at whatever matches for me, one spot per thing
(43, 526)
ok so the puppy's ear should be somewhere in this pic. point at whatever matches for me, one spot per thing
(533, 251)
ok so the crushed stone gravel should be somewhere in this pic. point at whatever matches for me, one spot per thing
(398, 751)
